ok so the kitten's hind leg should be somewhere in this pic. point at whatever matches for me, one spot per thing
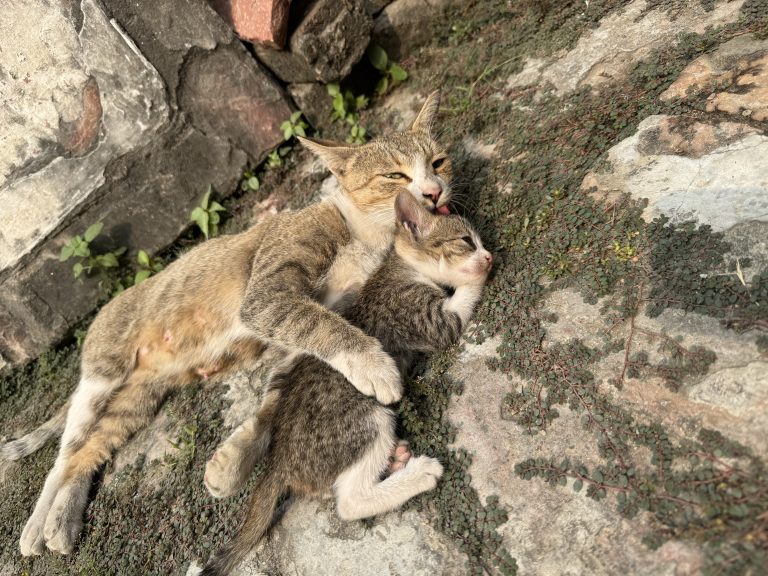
(399, 456)
(128, 410)
(360, 493)
(234, 460)
(81, 416)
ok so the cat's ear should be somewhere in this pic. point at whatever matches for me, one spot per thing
(426, 118)
(413, 216)
(334, 155)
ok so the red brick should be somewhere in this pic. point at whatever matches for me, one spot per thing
(258, 21)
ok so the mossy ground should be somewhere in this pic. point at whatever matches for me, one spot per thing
(547, 234)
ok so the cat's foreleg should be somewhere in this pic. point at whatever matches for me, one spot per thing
(296, 322)
(234, 460)
(463, 302)
(90, 393)
(359, 491)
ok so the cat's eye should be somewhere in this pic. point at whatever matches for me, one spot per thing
(437, 163)
(395, 176)
(470, 242)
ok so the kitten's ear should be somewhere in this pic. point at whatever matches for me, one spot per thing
(413, 216)
(333, 154)
(426, 118)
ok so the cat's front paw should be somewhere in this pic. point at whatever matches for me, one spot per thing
(427, 470)
(375, 374)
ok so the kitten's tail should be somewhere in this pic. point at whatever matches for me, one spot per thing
(261, 512)
(32, 442)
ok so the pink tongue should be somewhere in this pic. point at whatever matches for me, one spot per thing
(443, 209)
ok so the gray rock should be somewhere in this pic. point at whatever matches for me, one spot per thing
(404, 25)
(731, 397)
(580, 536)
(227, 95)
(92, 81)
(715, 173)
(595, 59)
(373, 7)
(314, 102)
(325, 46)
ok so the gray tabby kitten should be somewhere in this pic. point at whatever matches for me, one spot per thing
(318, 431)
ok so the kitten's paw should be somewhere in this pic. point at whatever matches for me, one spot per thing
(32, 541)
(224, 475)
(427, 470)
(399, 457)
(375, 374)
(63, 524)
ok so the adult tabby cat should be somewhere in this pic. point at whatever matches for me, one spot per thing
(219, 303)
(320, 432)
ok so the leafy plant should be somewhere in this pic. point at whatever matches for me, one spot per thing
(392, 73)
(275, 158)
(346, 107)
(147, 267)
(206, 215)
(185, 444)
(250, 182)
(88, 263)
(294, 126)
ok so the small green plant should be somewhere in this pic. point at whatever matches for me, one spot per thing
(294, 126)
(206, 215)
(250, 182)
(185, 444)
(346, 107)
(88, 263)
(147, 267)
(392, 73)
(275, 158)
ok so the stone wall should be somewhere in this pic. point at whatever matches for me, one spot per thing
(123, 113)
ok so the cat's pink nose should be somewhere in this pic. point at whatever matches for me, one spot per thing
(432, 191)
(488, 260)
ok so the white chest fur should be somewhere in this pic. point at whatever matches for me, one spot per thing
(349, 271)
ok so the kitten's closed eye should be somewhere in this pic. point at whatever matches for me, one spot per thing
(468, 240)
(437, 163)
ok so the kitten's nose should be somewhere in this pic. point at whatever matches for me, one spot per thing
(488, 260)
(432, 191)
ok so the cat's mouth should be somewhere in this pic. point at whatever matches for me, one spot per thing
(442, 209)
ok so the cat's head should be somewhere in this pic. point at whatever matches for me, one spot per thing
(445, 249)
(373, 174)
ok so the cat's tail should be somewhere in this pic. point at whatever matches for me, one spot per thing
(32, 442)
(261, 512)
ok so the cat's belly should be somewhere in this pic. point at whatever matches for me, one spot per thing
(197, 345)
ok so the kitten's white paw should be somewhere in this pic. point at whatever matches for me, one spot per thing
(375, 373)
(224, 474)
(428, 471)
(64, 522)
(32, 541)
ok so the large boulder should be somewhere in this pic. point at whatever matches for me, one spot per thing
(114, 115)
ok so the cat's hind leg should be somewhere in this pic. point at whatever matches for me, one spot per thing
(234, 460)
(127, 410)
(89, 396)
(359, 491)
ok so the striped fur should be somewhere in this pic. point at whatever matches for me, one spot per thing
(216, 306)
(323, 433)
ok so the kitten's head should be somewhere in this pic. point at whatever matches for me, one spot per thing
(445, 249)
(373, 174)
